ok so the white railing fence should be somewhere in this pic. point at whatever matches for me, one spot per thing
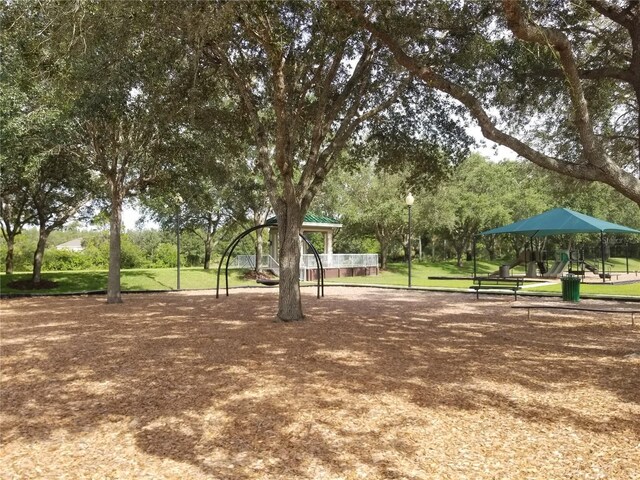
(341, 260)
(249, 262)
(334, 260)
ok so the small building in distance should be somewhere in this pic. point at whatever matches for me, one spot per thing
(74, 245)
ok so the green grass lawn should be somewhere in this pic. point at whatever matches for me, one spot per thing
(620, 265)
(139, 279)
(396, 275)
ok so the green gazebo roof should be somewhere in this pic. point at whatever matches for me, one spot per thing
(313, 218)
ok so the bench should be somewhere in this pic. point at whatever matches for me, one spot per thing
(529, 307)
(512, 284)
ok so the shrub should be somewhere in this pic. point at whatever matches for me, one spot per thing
(57, 260)
(164, 256)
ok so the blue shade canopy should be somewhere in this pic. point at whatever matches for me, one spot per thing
(559, 221)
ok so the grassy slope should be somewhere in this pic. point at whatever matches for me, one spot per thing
(139, 279)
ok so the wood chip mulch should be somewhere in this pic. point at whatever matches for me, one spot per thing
(373, 384)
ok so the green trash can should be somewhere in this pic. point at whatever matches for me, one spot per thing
(570, 288)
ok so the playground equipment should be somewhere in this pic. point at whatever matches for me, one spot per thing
(532, 260)
(562, 258)
(556, 222)
(234, 243)
(578, 265)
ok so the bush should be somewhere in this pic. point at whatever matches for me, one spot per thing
(97, 256)
(164, 256)
(131, 256)
(57, 260)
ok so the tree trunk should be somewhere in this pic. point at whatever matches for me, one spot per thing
(460, 248)
(289, 302)
(259, 250)
(113, 284)
(459, 258)
(39, 255)
(207, 252)
(491, 249)
(383, 255)
(8, 261)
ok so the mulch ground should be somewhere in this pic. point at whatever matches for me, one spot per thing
(373, 384)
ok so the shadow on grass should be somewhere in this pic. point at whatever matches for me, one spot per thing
(213, 387)
(92, 281)
(131, 280)
(66, 281)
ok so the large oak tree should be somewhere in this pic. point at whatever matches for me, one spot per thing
(556, 82)
(307, 83)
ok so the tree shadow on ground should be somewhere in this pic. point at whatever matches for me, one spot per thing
(216, 384)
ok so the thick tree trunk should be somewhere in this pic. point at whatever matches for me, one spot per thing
(113, 283)
(39, 255)
(8, 260)
(383, 255)
(290, 302)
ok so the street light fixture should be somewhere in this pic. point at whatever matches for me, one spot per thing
(409, 202)
(179, 201)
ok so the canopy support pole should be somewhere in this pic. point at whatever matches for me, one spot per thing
(475, 265)
(526, 262)
(604, 273)
(626, 254)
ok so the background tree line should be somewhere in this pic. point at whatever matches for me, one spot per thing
(368, 200)
(103, 102)
(477, 196)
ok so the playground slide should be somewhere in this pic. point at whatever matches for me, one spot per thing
(557, 269)
(590, 267)
(515, 263)
(518, 260)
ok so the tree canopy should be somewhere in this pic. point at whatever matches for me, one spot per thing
(558, 83)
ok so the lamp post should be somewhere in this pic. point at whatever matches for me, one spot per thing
(178, 199)
(409, 202)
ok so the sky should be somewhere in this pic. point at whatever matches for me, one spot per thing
(130, 216)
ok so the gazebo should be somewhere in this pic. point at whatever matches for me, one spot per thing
(556, 222)
(312, 223)
(334, 265)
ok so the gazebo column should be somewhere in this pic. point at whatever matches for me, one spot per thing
(273, 244)
(328, 248)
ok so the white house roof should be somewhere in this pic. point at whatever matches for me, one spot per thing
(75, 244)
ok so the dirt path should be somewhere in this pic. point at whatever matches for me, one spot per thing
(374, 384)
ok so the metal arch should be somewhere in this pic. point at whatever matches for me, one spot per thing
(231, 247)
(234, 243)
(319, 267)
